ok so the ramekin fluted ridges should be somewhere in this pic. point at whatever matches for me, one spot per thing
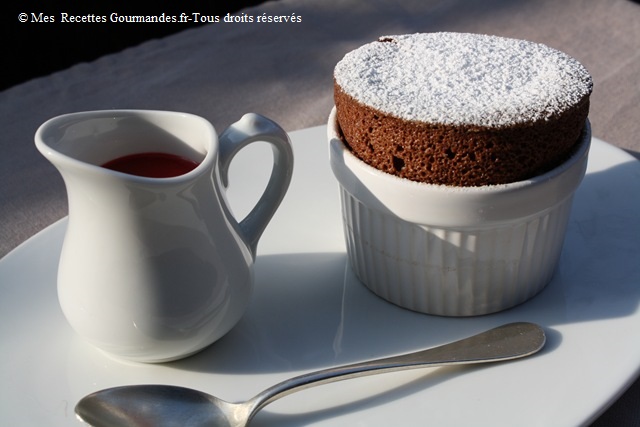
(454, 251)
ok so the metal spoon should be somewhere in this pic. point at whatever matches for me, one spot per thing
(163, 405)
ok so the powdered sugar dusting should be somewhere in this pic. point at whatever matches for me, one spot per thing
(460, 78)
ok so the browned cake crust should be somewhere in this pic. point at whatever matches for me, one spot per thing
(460, 109)
(459, 155)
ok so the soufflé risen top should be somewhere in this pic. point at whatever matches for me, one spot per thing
(460, 109)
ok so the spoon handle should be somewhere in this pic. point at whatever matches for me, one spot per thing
(510, 341)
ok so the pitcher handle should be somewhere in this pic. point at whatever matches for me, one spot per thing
(250, 128)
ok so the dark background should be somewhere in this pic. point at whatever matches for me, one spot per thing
(32, 50)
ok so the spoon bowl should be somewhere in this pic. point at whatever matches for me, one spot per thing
(169, 406)
(156, 405)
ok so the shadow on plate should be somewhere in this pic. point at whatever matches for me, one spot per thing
(309, 310)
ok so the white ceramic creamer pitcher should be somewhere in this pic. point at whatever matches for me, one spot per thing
(156, 269)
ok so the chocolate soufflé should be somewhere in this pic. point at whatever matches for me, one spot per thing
(461, 109)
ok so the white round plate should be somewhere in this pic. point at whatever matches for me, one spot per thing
(310, 312)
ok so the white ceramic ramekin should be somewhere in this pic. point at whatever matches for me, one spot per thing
(454, 251)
